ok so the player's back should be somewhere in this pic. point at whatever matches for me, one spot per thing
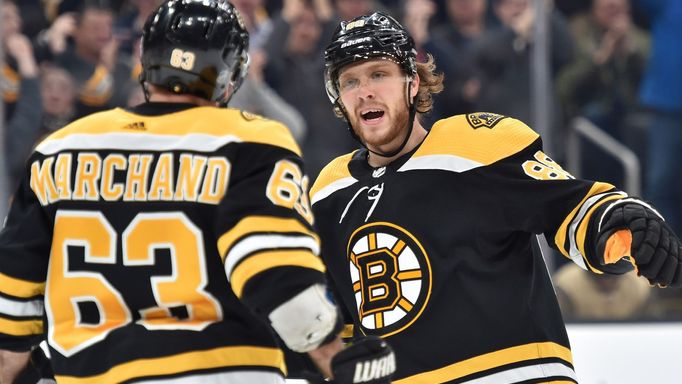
(131, 206)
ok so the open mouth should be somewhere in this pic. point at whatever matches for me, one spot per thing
(372, 115)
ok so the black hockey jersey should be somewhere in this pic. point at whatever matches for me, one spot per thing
(434, 251)
(151, 244)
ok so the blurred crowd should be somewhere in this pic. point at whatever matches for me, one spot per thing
(617, 63)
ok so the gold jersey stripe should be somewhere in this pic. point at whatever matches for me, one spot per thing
(261, 224)
(21, 327)
(263, 261)
(454, 136)
(186, 362)
(489, 361)
(223, 122)
(20, 288)
(336, 170)
(561, 235)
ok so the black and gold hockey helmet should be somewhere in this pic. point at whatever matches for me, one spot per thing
(365, 37)
(196, 47)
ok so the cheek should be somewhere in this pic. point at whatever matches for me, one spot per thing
(347, 103)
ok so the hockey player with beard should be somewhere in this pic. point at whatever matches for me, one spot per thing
(429, 233)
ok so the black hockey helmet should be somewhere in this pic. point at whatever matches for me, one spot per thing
(365, 37)
(196, 47)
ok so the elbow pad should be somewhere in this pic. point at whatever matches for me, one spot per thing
(307, 320)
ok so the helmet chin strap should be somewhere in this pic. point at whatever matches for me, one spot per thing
(410, 126)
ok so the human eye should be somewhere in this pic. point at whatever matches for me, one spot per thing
(348, 84)
(378, 75)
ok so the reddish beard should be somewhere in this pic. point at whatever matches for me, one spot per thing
(396, 135)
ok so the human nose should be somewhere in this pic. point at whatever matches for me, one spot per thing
(365, 89)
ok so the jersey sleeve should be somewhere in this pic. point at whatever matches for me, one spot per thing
(24, 252)
(265, 230)
(537, 195)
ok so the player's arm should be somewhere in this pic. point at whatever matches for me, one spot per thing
(24, 248)
(602, 228)
(594, 224)
(272, 261)
(11, 363)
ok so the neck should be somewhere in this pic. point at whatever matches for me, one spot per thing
(416, 137)
(167, 97)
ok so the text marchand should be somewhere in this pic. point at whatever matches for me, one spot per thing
(130, 177)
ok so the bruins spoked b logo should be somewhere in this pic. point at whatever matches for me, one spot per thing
(391, 277)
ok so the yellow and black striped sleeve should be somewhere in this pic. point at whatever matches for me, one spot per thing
(536, 194)
(265, 230)
(24, 249)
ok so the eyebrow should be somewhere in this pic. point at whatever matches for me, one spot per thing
(381, 64)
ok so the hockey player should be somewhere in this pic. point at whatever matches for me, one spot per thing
(163, 244)
(428, 234)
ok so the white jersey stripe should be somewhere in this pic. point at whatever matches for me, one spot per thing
(331, 188)
(136, 142)
(441, 162)
(232, 377)
(256, 243)
(517, 375)
(574, 252)
(21, 308)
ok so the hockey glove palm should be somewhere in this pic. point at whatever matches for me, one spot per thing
(655, 250)
(369, 361)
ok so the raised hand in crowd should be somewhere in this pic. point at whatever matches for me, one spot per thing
(57, 35)
(19, 47)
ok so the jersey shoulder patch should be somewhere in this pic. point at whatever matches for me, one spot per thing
(334, 176)
(481, 138)
(483, 119)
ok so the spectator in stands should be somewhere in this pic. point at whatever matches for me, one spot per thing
(53, 40)
(255, 95)
(129, 22)
(661, 92)
(503, 59)
(601, 82)
(350, 9)
(21, 89)
(294, 69)
(586, 296)
(257, 20)
(452, 44)
(33, 16)
(58, 93)
(93, 60)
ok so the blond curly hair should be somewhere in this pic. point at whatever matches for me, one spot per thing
(430, 83)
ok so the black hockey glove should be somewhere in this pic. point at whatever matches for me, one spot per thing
(655, 249)
(368, 360)
(38, 369)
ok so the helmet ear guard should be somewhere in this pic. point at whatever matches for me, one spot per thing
(195, 47)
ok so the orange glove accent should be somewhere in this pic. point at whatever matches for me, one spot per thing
(618, 246)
